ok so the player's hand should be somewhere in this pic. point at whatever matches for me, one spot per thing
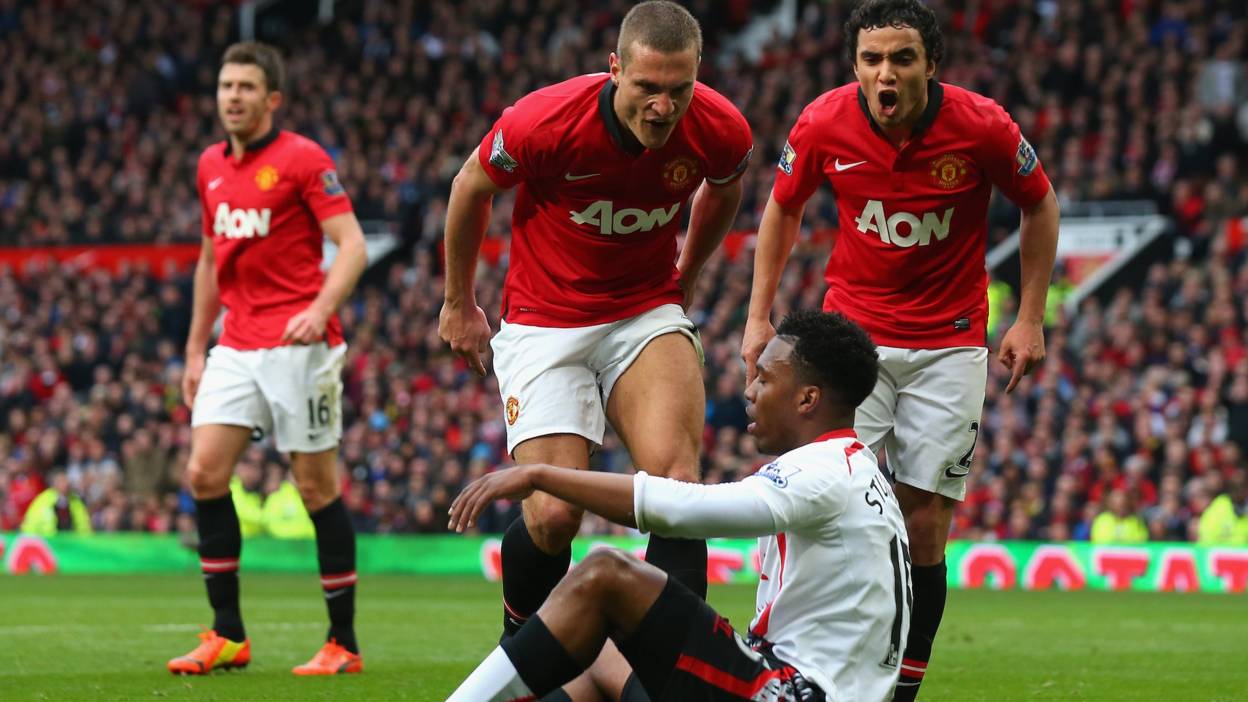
(507, 484)
(1022, 349)
(307, 327)
(757, 333)
(467, 332)
(190, 378)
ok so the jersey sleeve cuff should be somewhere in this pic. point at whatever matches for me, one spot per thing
(333, 210)
(639, 492)
(1031, 201)
(493, 174)
(786, 202)
(726, 179)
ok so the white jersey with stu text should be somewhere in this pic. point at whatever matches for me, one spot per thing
(834, 592)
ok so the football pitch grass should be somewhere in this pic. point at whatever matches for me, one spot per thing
(108, 637)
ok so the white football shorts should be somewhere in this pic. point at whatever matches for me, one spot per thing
(925, 412)
(557, 380)
(291, 392)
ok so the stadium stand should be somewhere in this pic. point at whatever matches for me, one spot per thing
(103, 110)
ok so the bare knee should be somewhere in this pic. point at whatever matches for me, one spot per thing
(603, 572)
(553, 524)
(206, 479)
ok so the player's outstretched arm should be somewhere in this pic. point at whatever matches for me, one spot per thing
(205, 305)
(609, 495)
(776, 235)
(309, 325)
(661, 505)
(462, 323)
(1022, 347)
(713, 212)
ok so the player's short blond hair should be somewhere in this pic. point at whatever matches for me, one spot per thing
(266, 57)
(661, 25)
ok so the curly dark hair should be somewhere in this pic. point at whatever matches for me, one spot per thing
(832, 352)
(876, 14)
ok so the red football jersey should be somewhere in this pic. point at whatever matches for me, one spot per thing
(593, 234)
(263, 214)
(908, 264)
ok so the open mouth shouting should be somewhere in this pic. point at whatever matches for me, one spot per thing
(889, 100)
(657, 126)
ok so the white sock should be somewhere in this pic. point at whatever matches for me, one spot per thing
(495, 680)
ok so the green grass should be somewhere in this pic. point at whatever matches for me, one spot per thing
(107, 638)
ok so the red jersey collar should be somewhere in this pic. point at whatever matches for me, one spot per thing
(256, 145)
(935, 96)
(847, 433)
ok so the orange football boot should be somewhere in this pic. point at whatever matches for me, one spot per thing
(332, 659)
(213, 652)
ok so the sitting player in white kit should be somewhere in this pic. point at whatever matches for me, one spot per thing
(833, 603)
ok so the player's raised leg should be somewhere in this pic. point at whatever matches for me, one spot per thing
(608, 594)
(658, 407)
(316, 474)
(554, 415)
(537, 548)
(215, 449)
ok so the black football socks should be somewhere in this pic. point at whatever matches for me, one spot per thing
(220, 544)
(539, 658)
(683, 559)
(529, 575)
(335, 551)
(930, 589)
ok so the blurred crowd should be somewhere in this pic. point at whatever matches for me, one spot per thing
(1141, 412)
(104, 110)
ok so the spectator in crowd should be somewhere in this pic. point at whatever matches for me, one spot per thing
(1118, 524)
(284, 515)
(248, 501)
(1225, 521)
(57, 509)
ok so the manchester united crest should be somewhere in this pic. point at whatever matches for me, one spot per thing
(949, 171)
(680, 173)
(266, 178)
(513, 410)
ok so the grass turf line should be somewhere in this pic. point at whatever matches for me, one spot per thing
(107, 638)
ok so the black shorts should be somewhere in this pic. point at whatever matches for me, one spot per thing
(684, 651)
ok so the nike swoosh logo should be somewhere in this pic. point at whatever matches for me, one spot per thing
(961, 474)
(335, 593)
(846, 166)
(212, 184)
(569, 177)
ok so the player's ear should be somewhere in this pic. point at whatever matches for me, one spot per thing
(616, 67)
(808, 397)
(274, 99)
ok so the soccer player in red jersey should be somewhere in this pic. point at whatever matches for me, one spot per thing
(593, 321)
(269, 199)
(912, 163)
